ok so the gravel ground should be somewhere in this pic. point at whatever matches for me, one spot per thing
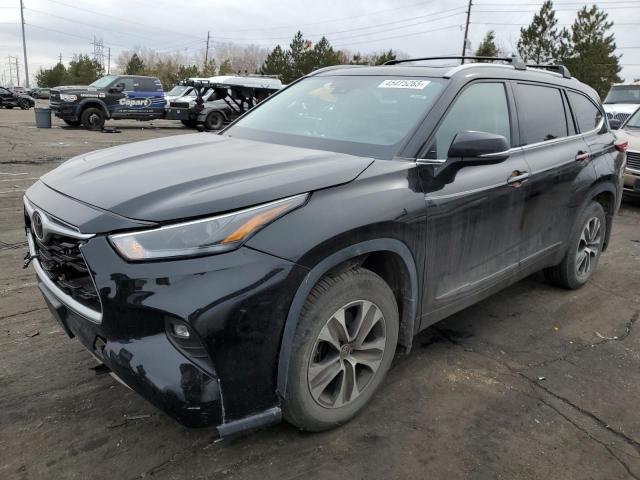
(533, 383)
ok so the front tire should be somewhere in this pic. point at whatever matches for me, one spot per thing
(583, 253)
(343, 347)
(93, 119)
(24, 104)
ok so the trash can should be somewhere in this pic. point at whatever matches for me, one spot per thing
(43, 117)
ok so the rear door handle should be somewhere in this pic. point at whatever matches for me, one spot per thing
(517, 178)
(582, 156)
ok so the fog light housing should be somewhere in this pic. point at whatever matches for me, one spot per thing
(181, 330)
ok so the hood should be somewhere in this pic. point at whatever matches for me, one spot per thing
(620, 107)
(75, 88)
(632, 135)
(196, 175)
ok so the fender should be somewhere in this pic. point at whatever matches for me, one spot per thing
(602, 186)
(94, 100)
(318, 271)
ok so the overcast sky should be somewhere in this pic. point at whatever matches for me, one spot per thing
(419, 28)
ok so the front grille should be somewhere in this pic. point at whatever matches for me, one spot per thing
(63, 263)
(621, 116)
(633, 160)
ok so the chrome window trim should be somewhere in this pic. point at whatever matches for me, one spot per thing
(65, 299)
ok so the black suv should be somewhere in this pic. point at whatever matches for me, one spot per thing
(114, 96)
(274, 268)
(10, 99)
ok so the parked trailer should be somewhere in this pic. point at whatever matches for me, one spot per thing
(218, 103)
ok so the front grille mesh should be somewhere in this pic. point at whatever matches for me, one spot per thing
(633, 160)
(63, 263)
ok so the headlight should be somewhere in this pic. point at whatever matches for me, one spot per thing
(199, 237)
(68, 98)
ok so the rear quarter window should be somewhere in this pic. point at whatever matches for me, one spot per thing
(587, 114)
(541, 113)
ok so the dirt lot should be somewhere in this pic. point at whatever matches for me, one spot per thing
(535, 382)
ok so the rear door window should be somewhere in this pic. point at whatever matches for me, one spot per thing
(587, 114)
(481, 107)
(541, 113)
(146, 85)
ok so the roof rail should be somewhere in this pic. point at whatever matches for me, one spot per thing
(517, 62)
(561, 69)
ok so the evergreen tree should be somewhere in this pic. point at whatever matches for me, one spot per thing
(540, 41)
(51, 77)
(83, 70)
(226, 68)
(135, 66)
(321, 56)
(591, 58)
(209, 68)
(383, 57)
(488, 47)
(276, 63)
(298, 58)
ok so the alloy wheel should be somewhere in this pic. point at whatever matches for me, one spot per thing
(588, 246)
(347, 354)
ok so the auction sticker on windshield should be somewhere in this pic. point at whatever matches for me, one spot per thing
(414, 84)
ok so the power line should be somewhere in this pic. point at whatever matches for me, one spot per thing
(75, 7)
(333, 20)
(396, 36)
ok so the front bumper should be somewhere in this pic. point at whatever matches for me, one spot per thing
(235, 304)
(65, 111)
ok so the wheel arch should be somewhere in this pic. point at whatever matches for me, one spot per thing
(93, 102)
(606, 195)
(372, 254)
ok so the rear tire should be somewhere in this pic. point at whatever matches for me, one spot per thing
(8, 106)
(93, 119)
(214, 121)
(343, 347)
(583, 252)
(189, 123)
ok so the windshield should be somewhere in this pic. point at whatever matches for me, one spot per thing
(361, 115)
(177, 90)
(103, 82)
(634, 121)
(623, 94)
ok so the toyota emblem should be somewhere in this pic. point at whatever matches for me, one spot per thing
(38, 228)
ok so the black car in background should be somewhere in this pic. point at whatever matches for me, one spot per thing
(10, 99)
(274, 269)
(134, 97)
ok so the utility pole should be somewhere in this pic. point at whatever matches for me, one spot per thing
(17, 72)
(206, 52)
(10, 71)
(24, 45)
(60, 58)
(108, 60)
(466, 32)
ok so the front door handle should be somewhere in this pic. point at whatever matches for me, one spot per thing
(582, 156)
(517, 178)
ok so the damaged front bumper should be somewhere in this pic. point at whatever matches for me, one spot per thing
(233, 305)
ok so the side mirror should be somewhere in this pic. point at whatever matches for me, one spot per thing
(119, 87)
(477, 147)
(614, 123)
